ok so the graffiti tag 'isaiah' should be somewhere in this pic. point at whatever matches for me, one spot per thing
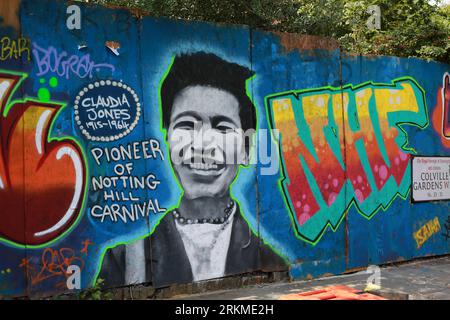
(426, 231)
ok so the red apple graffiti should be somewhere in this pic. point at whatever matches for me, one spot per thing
(41, 182)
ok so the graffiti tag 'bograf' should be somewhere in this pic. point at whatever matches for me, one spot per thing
(49, 60)
(52, 205)
(324, 174)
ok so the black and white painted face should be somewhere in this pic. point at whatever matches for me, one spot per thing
(205, 135)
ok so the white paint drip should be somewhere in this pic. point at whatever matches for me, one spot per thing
(78, 188)
(39, 129)
(3, 87)
(135, 262)
(114, 50)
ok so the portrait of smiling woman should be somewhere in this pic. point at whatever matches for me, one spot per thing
(209, 121)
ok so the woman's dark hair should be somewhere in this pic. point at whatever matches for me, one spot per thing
(206, 69)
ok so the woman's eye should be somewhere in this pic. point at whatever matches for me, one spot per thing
(185, 125)
(224, 128)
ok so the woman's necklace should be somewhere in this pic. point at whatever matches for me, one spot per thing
(228, 211)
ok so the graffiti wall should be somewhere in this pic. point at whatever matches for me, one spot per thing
(142, 150)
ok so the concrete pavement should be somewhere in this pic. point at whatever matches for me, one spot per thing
(416, 280)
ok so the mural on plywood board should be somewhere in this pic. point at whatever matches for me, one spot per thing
(207, 115)
(164, 152)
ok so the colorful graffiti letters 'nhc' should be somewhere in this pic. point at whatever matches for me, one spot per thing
(148, 151)
(345, 146)
(28, 159)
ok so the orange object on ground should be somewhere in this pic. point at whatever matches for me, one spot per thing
(339, 292)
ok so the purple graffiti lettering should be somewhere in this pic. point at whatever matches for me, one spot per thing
(49, 60)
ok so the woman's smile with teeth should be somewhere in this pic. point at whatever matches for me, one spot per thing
(203, 166)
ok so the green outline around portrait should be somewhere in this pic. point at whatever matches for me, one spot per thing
(164, 132)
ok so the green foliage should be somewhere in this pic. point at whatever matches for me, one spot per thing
(409, 28)
(96, 292)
